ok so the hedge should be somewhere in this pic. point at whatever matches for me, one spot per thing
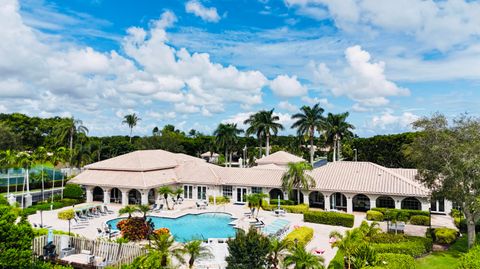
(399, 238)
(411, 248)
(282, 202)
(45, 206)
(471, 259)
(445, 235)
(44, 231)
(420, 220)
(302, 234)
(73, 191)
(375, 215)
(407, 212)
(394, 261)
(298, 209)
(329, 218)
(219, 199)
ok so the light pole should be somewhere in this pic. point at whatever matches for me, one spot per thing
(355, 150)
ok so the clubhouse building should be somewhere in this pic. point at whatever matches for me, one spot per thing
(134, 178)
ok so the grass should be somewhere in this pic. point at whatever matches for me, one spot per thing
(444, 259)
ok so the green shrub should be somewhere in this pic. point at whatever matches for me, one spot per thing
(410, 248)
(329, 218)
(338, 262)
(420, 220)
(375, 215)
(282, 202)
(445, 235)
(299, 209)
(29, 211)
(44, 231)
(73, 191)
(408, 213)
(395, 261)
(471, 259)
(219, 199)
(302, 234)
(392, 239)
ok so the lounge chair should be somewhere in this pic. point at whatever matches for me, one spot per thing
(200, 206)
(107, 210)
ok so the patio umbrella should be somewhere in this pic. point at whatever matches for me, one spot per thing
(50, 236)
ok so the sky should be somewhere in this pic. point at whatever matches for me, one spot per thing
(197, 63)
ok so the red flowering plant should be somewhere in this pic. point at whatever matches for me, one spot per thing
(161, 231)
(133, 229)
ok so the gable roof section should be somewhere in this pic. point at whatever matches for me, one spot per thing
(279, 158)
(365, 177)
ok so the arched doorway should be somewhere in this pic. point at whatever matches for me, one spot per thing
(115, 196)
(411, 203)
(361, 203)
(134, 197)
(316, 200)
(98, 194)
(385, 202)
(295, 197)
(275, 193)
(338, 201)
(151, 196)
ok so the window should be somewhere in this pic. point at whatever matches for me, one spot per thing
(187, 191)
(411, 203)
(227, 191)
(257, 190)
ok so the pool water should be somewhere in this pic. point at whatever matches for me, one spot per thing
(190, 226)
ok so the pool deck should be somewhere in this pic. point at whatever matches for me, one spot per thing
(319, 241)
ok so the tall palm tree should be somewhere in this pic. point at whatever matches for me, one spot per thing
(131, 120)
(57, 157)
(70, 129)
(348, 243)
(129, 209)
(7, 161)
(307, 122)
(177, 194)
(266, 124)
(337, 128)
(165, 191)
(225, 136)
(41, 156)
(277, 250)
(300, 258)
(254, 128)
(144, 209)
(196, 250)
(26, 161)
(296, 177)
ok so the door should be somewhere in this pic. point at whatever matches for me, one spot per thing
(241, 195)
(187, 192)
(201, 192)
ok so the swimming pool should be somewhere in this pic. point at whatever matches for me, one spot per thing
(193, 226)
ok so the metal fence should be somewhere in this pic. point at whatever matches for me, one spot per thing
(115, 254)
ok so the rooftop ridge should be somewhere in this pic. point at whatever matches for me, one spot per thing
(401, 177)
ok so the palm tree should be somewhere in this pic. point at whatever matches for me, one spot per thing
(308, 121)
(161, 251)
(277, 249)
(26, 161)
(225, 136)
(41, 156)
(254, 128)
(144, 209)
(348, 243)
(369, 230)
(255, 200)
(57, 157)
(129, 209)
(7, 161)
(337, 128)
(302, 259)
(265, 123)
(131, 120)
(296, 178)
(165, 191)
(177, 194)
(196, 250)
(70, 129)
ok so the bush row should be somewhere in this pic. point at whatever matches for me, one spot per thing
(302, 234)
(408, 213)
(298, 209)
(416, 217)
(44, 231)
(420, 220)
(394, 261)
(45, 206)
(414, 246)
(282, 202)
(219, 199)
(375, 215)
(329, 218)
(471, 260)
(443, 235)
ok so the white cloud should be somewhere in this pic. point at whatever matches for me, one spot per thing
(199, 10)
(363, 80)
(185, 108)
(315, 100)
(284, 118)
(286, 86)
(387, 120)
(285, 105)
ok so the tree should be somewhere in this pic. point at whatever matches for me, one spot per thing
(69, 128)
(296, 177)
(226, 135)
(196, 250)
(264, 123)
(302, 259)
(277, 249)
(67, 214)
(131, 120)
(348, 243)
(15, 239)
(144, 209)
(337, 128)
(247, 250)
(307, 122)
(448, 160)
(57, 157)
(26, 161)
(165, 191)
(73, 191)
(8, 139)
(129, 209)
(7, 161)
(255, 200)
(160, 253)
(177, 194)
(41, 157)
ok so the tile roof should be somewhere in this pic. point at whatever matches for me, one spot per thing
(279, 158)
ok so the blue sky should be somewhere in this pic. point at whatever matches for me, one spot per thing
(197, 63)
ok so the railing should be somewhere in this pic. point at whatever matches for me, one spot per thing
(115, 254)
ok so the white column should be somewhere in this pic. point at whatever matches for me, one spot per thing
(89, 192)
(425, 204)
(285, 195)
(305, 197)
(349, 203)
(124, 196)
(106, 195)
(144, 194)
(398, 202)
(373, 201)
(326, 197)
(448, 207)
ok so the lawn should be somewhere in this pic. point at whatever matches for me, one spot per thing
(444, 259)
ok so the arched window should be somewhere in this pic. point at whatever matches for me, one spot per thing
(134, 197)
(411, 203)
(316, 199)
(338, 201)
(275, 193)
(361, 203)
(98, 194)
(115, 196)
(386, 202)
